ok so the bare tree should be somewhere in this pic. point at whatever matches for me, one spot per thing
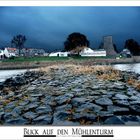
(19, 41)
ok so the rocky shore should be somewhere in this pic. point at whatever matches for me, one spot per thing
(71, 95)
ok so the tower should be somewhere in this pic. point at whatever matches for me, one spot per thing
(108, 46)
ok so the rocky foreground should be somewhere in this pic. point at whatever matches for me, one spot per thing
(71, 95)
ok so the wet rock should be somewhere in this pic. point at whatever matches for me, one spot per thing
(16, 111)
(43, 119)
(113, 121)
(135, 108)
(66, 107)
(122, 102)
(16, 121)
(129, 118)
(65, 123)
(63, 99)
(105, 114)
(85, 116)
(136, 98)
(89, 107)
(117, 109)
(103, 101)
(11, 105)
(1, 115)
(61, 116)
(119, 85)
(121, 97)
(78, 101)
(30, 115)
(32, 106)
(23, 103)
(36, 95)
(43, 109)
(134, 102)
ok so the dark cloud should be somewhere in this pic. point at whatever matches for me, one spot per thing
(48, 27)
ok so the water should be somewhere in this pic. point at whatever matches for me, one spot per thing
(128, 67)
(4, 74)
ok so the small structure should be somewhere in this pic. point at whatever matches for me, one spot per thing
(88, 52)
(1, 54)
(108, 46)
(9, 52)
(126, 53)
(59, 54)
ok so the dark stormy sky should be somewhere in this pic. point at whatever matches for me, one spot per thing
(48, 27)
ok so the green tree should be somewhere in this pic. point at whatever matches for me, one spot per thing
(75, 40)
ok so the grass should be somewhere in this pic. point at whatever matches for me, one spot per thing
(47, 58)
(35, 59)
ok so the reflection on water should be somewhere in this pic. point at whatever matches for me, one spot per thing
(4, 74)
(128, 67)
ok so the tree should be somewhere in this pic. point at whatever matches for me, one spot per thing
(75, 40)
(115, 48)
(132, 46)
(19, 41)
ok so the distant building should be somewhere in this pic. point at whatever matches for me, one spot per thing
(59, 54)
(125, 53)
(9, 52)
(108, 46)
(88, 52)
(1, 54)
(32, 52)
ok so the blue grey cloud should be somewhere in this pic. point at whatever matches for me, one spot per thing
(48, 27)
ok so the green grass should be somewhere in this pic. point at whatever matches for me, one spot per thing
(33, 59)
(46, 58)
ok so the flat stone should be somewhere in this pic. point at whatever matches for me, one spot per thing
(32, 105)
(65, 123)
(89, 107)
(23, 103)
(16, 111)
(135, 108)
(61, 116)
(136, 98)
(121, 96)
(43, 109)
(105, 114)
(134, 102)
(129, 118)
(119, 86)
(117, 109)
(85, 116)
(30, 115)
(103, 101)
(16, 121)
(78, 101)
(113, 121)
(66, 107)
(36, 95)
(63, 99)
(11, 105)
(31, 88)
(122, 102)
(43, 117)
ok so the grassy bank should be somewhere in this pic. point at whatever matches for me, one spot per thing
(33, 59)
(35, 62)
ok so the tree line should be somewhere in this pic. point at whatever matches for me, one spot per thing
(75, 40)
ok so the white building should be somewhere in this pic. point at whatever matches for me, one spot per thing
(9, 52)
(125, 53)
(1, 54)
(59, 54)
(88, 52)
